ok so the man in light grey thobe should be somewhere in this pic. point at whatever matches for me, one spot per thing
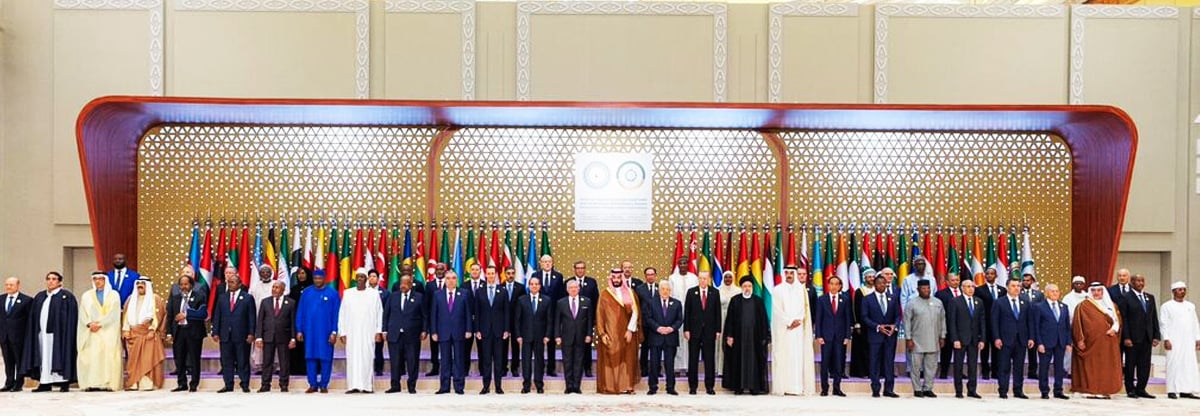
(925, 324)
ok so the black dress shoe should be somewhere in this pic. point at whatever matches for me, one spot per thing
(443, 391)
(1145, 395)
(875, 394)
(918, 394)
(64, 388)
(930, 395)
(824, 393)
(499, 390)
(1003, 395)
(192, 389)
(16, 388)
(651, 392)
(180, 388)
(245, 389)
(1020, 395)
(958, 395)
(891, 394)
(432, 373)
(974, 395)
(264, 389)
(541, 390)
(392, 390)
(458, 392)
(839, 393)
(588, 374)
(41, 388)
(1061, 396)
(283, 389)
(1172, 396)
(353, 391)
(672, 392)
(485, 391)
(412, 391)
(524, 390)
(1183, 395)
(1045, 396)
(551, 374)
(225, 390)
(1131, 395)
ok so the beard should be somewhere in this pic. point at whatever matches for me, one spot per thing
(616, 283)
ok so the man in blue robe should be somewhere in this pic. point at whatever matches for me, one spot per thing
(316, 327)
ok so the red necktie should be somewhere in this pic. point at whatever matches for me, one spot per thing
(276, 306)
(703, 299)
(834, 304)
(231, 300)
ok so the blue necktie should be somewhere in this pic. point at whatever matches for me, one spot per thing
(8, 308)
(970, 308)
(1016, 310)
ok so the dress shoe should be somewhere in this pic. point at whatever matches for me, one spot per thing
(412, 391)
(651, 392)
(458, 392)
(434, 373)
(443, 391)
(64, 388)
(1131, 395)
(551, 374)
(1172, 396)
(42, 388)
(485, 391)
(310, 390)
(875, 394)
(672, 392)
(180, 388)
(692, 392)
(353, 391)
(324, 390)
(1045, 396)
(245, 389)
(930, 395)
(588, 374)
(918, 394)
(974, 395)
(1020, 395)
(1183, 395)
(7, 387)
(392, 390)
(192, 389)
(839, 393)
(16, 388)
(283, 389)
(367, 392)
(891, 394)
(541, 390)
(1003, 395)
(958, 395)
(499, 390)
(1145, 395)
(1061, 396)
(225, 390)
(824, 393)
(524, 390)
(264, 389)
(710, 392)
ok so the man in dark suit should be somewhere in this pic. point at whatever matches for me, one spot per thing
(532, 328)
(1118, 290)
(881, 316)
(987, 294)
(1139, 333)
(832, 323)
(627, 271)
(275, 334)
(233, 328)
(450, 321)
(432, 287)
(491, 329)
(1012, 337)
(374, 283)
(14, 322)
(574, 322)
(966, 323)
(646, 293)
(186, 313)
(662, 321)
(404, 325)
(1031, 293)
(947, 296)
(588, 288)
(1052, 334)
(702, 329)
(553, 286)
(514, 290)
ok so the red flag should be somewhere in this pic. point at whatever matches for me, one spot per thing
(743, 265)
(433, 245)
(219, 269)
(718, 256)
(356, 259)
(791, 248)
(244, 256)
(381, 256)
(927, 251)
(206, 260)
(678, 250)
(369, 258)
(1002, 249)
(867, 252)
(939, 261)
(482, 258)
(692, 254)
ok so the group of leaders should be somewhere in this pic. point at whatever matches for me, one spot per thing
(113, 336)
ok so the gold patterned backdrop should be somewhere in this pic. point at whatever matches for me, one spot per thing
(525, 174)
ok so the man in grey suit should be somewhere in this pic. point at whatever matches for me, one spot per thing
(274, 333)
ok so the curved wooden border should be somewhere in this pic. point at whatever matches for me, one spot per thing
(1102, 141)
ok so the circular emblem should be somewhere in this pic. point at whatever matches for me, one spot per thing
(631, 175)
(596, 175)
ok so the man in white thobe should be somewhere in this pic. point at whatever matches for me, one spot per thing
(1077, 295)
(1181, 338)
(681, 281)
(99, 337)
(360, 325)
(793, 371)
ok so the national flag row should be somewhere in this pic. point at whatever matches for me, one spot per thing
(847, 252)
(339, 251)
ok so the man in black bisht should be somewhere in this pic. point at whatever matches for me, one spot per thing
(50, 352)
(747, 335)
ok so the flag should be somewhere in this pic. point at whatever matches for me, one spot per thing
(777, 260)
(245, 256)
(306, 257)
(804, 264)
(419, 269)
(743, 264)
(678, 251)
(545, 251)
(434, 248)
(396, 257)
(863, 265)
(470, 259)
(767, 278)
(297, 255)
(381, 255)
(194, 249)
(853, 278)
(818, 277)
(939, 260)
(206, 258)
(518, 262)
(444, 252)
(222, 261)
(717, 256)
(1014, 253)
(973, 259)
(704, 261)
(903, 259)
(830, 261)
(332, 265)
(456, 260)
(269, 256)
(843, 268)
(318, 257)
(998, 261)
(282, 270)
(495, 259)
(510, 255)
(756, 263)
(791, 248)
(346, 258)
(692, 254)
(1026, 255)
(531, 259)
(953, 262)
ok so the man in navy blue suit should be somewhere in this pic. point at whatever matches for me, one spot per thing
(1012, 335)
(432, 287)
(664, 317)
(404, 326)
(532, 328)
(881, 316)
(491, 328)
(966, 323)
(121, 278)
(450, 321)
(233, 328)
(832, 321)
(14, 322)
(1052, 334)
(555, 287)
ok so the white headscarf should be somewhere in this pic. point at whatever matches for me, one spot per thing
(145, 313)
(1105, 304)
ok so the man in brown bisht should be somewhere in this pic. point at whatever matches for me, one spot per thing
(142, 330)
(617, 323)
(1096, 363)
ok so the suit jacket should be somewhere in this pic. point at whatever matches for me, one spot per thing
(574, 329)
(14, 324)
(946, 296)
(1114, 292)
(531, 324)
(874, 316)
(1048, 331)
(1137, 324)
(197, 313)
(645, 295)
(491, 320)
(834, 327)
(272, 328)
(964, 326)
(635, 283)
(554, 286)
(1008, 328)
(703, 323)
(656, 317)
(237, 324)
(127, 284)
(1034, 295)
(407, 324)
(451, 324)
(988, 298)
